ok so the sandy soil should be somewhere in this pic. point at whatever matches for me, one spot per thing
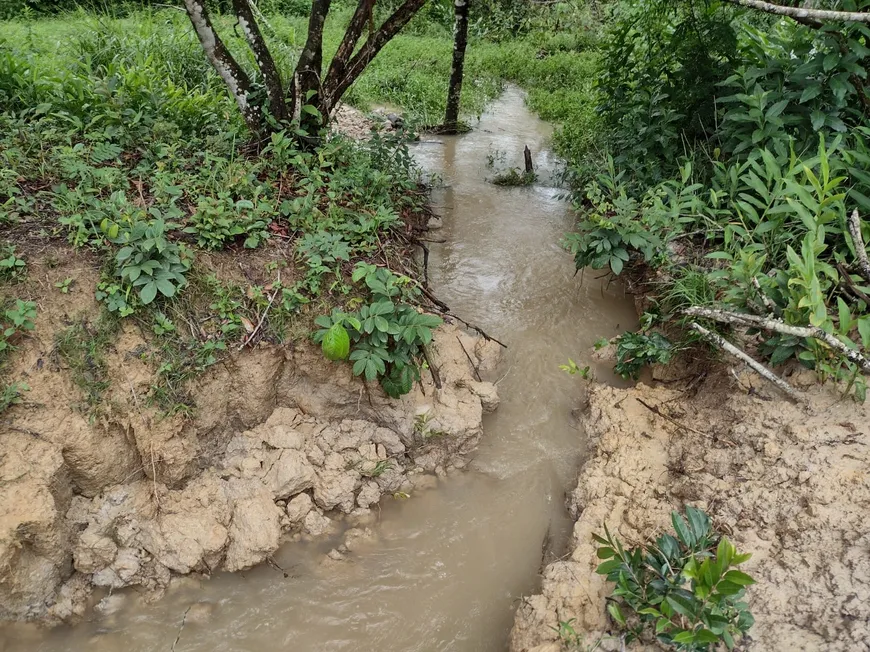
(787, 483)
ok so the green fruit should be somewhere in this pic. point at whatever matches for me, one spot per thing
(336, 343)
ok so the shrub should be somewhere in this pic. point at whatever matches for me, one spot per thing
(387, 337)
(684, 588)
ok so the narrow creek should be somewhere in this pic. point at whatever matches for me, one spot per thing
(446, 568)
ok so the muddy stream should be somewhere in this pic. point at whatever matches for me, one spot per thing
(446, 567)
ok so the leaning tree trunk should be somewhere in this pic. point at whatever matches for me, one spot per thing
(460, 41)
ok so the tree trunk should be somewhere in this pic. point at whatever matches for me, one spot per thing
(336, 86)
(312, 94)
(309, 70)
(263, 58)
(223, 62)
(460, 41)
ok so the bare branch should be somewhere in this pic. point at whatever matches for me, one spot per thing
(777, 326)
(263, 58)
(804, 14)
(756, 366)
(854, 222)
(223, 62)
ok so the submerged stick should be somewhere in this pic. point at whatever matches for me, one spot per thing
(756, 366)
(777, 326)
(444, 309)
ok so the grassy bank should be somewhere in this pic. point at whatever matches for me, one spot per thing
(118, 141)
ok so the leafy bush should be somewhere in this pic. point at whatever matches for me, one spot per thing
(11, 394)
(219, 221)
(11, 267)
(387, 337)
(634, 351)
(149, 262)
(684, 588)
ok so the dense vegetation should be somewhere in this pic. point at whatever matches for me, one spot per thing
(735, 154)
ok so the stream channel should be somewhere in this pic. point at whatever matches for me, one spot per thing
(447, 567)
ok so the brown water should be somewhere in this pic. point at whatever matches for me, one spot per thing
(448, 566)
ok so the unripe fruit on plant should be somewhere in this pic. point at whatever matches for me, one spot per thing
(336, 343)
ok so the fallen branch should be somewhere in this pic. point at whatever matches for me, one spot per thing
(802, 14)
(860, 250)
(181, 629)
(477, 329)
(444, 309)
(777, 326)
(756, 366)
(850, 286)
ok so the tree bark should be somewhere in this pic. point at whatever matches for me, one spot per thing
(361, 17)
(334, 88)
(802, 14)
(310, 67)
(223, 62)
(264, 60)
(863, 263)
(460, 42)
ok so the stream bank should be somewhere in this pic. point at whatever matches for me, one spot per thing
(445, 569)
(787, 484)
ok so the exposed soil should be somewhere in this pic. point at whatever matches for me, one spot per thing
(282, 444)
(787, 483)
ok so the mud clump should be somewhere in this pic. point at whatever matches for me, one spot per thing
(284, 443)
(787, 483)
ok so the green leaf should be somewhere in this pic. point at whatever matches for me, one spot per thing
(615, 613)
(616, 265)
(681, 604)
(810, 92)
(608, 566)
(739, 578)
(605, 553)
(699, 522)
(148, 292)
(684, 637)
(166, 288)
(705, 637)
(682, 530)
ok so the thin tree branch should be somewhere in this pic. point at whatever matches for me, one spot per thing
(802, 14)
(860, 250)
(263, 58)
(777, 326)
(760, 369)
